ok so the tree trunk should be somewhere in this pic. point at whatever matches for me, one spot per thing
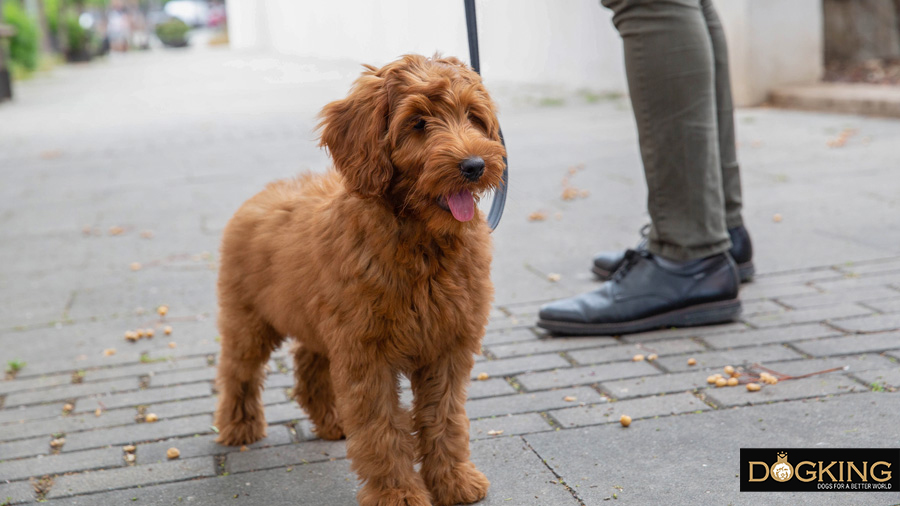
(859, 30)
(46, 43)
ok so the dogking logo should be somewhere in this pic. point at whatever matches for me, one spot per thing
(782, 471)
(820, 470)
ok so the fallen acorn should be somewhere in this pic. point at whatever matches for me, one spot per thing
(151, 417)
(128, 448)
(732, 382)
(625, 420)
(753, 387)
(637, 358)
(162, 310)
(483, 376)
(692, 361)
(58, 442)
(109, 352)
(173, 453)
(172, 344)
(68, 408)
(721, 382)
(130, 458)
(167, 330)
(729, 370)
(570, 398)
(149, 333)
(651, 357)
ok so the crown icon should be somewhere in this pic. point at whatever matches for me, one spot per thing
(782, 455)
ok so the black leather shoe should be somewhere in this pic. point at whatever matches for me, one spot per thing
(606, 262)
(649, 292)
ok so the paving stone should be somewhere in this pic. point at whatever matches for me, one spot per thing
(797, 278)
(508, 323)
(807, 315)
(322, 483)
(645, 407)
(25, 448)
(835, 298)
(83, 362)
(132, 476)
(288, 455)
(655, 384)
(67, 424)
(146, 396)
(205, 374)
(684, 332)
(200, 446)
(34, 383)
(530, 402)
(284, 413)
(546, 345)
(508, 336)
(817, 386)
(62, 463)
(760, 306)
(771, 335)
(885, 305)
(859, 283)
(517, 475)
(752, 291)
(587, 375)
(17, 492)
(883, 266)
(627, 352)
(69, 391)
(599, 461)
(888, 379)
(870, 323)
(852, 363)
(735, 357)
(137, 433)
(280, 381)
(850, 344)
(176, 409)
(509, 425)
(144, 369)
(22, 413)
(513, 366)
(203, 347)
(489, 388)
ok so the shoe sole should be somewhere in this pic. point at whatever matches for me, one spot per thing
(745, 270)
(701, 314)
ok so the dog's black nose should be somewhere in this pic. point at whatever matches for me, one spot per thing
(472, 168)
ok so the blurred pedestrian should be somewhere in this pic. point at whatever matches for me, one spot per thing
(687, 268)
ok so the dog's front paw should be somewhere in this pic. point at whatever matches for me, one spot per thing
(371, 496)
(463, 485)
(240, 433)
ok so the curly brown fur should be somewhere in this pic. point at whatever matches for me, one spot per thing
(374, 276)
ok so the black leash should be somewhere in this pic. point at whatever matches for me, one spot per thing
(497, 206)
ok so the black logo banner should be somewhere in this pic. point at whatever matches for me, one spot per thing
(820, 469)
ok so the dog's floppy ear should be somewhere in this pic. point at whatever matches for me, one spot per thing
(354, 130)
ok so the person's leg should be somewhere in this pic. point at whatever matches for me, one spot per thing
(731, 177)
(671, 79)
(685, 277)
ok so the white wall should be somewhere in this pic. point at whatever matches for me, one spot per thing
(570, 44)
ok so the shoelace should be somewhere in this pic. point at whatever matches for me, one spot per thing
(631, 259)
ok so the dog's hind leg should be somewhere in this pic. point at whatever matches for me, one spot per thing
(247, 343)
(315, 393)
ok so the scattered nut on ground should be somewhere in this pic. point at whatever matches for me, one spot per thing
(58, 442)
(753, 387)
(711, 379)
(554, 277)
(721, 382)
(68, 407)
(130, 458)
(625, 420)
(149, 333)
(135, 266)
(162, 310)
(495, 432)
(172, 344)
(98, 412)
(692, 361)
(651, 357)
(732, 382)
(109, 352)
(570, 398)
(483, 376)
(173, 453)
(128, 448)
(637, 358)
(167, 330)
(729, 370)
(151, 417)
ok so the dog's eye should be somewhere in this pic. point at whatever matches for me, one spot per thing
(478, 122)
(420, 125)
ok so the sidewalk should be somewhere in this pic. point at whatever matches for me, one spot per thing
(118, 177)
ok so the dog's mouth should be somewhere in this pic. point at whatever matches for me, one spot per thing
(460, 204)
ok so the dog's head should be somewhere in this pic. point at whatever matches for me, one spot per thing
(421, 133)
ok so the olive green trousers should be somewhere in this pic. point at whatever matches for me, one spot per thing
(676, 63)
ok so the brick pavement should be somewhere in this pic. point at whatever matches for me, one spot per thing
(544, 425)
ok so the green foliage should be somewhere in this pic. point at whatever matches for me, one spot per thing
(172, 32)
(14, 366)
(23, 47)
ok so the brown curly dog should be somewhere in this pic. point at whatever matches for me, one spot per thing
(377, 269)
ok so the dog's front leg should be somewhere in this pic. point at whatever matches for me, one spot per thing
(380, 444)
(439, 391)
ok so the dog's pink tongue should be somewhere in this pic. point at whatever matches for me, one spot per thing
(462, 205)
